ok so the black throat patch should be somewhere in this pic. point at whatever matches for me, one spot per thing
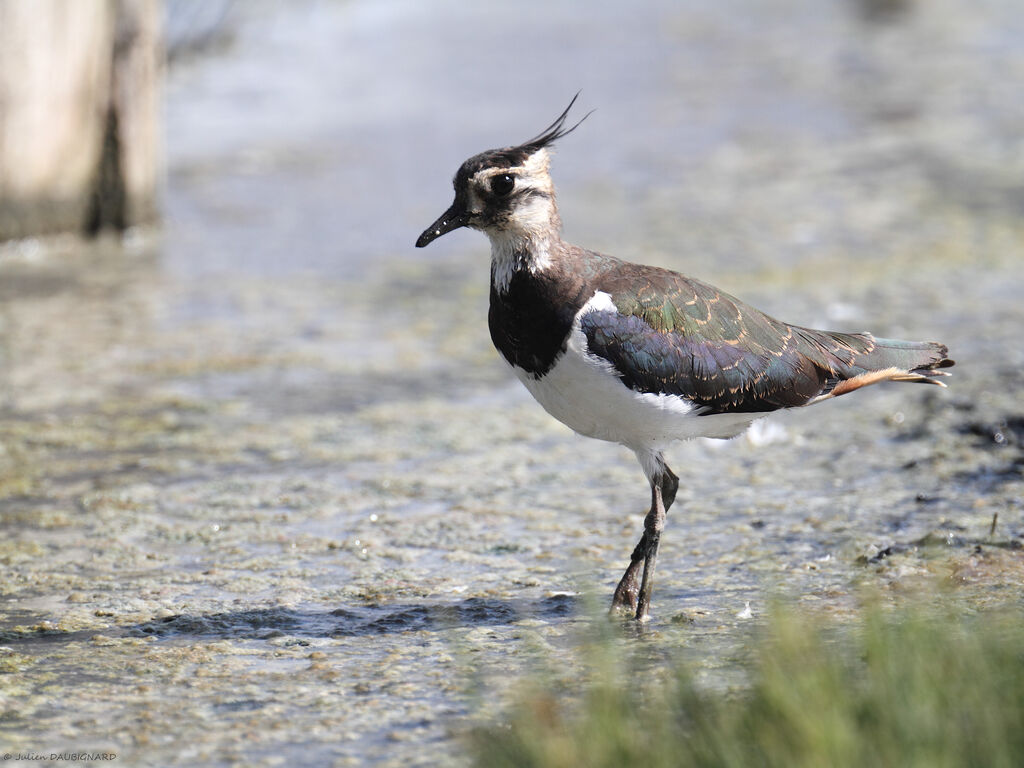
(530, 322)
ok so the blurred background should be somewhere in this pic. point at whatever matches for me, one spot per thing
(241, 414)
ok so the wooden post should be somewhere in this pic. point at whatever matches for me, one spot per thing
(79, 114)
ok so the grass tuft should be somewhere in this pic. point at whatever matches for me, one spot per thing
(906, 691)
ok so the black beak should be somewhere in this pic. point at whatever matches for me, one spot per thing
(453, 218)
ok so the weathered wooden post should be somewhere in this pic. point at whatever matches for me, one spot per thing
(80, 144)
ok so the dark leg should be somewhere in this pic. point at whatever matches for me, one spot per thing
(669, 486)
(654, 524)
(627, 593)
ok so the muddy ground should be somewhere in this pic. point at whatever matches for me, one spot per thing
(267, 494)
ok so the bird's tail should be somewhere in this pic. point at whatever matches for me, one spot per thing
(859, 360)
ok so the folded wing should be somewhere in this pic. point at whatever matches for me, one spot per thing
(675, 335)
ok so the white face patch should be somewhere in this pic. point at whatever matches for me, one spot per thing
(533, 212)
(522, 239)
(534, 172)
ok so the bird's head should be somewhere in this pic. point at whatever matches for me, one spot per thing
(506, 193)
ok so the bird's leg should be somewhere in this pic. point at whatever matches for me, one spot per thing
(628, 591)
(654, 523)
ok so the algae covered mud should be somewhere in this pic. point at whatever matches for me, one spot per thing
(268, 496)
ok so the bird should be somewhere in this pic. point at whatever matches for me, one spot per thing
(641, 355)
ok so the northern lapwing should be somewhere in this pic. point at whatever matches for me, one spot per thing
(639, 355)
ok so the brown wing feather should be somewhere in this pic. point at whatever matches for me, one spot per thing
(677, 335)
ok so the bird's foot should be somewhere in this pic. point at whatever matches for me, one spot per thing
(627, 593)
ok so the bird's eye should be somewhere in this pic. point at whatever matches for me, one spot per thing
(502, 184)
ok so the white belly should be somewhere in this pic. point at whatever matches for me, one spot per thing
(583, 392)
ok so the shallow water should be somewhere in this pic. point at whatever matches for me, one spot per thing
(263, 470)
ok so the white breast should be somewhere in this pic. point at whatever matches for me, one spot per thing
(584, 392)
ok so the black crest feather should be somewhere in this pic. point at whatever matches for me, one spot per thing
(509, 157)
(555, 131)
